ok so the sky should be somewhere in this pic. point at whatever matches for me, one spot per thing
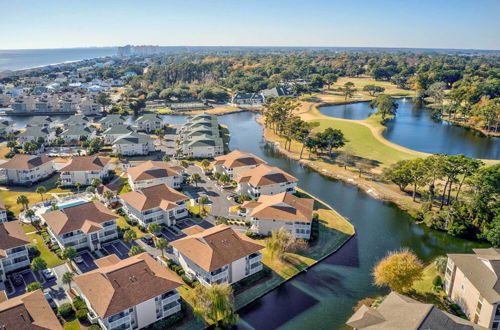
(30, 24)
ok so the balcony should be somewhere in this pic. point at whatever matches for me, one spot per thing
(122, 323)
(170, 297)
(255, 257)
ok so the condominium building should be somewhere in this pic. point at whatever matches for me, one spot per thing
(265, 180)
(85, 169)
(129, 294)
(473, 282)
(217, 255)
(235, 162)
(82, 226)
(151, 173)
(25, 169)
(13, 248)
(284, 210)
(156, 204)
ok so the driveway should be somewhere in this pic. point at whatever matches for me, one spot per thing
(117, 247)
(58, 289)
(218, 197)
(88, 263)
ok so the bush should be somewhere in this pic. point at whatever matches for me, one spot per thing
(187, 280)
(81, 314)
(79, 304)
(142, 228)
(437, 281)
(94, 327)
(65, 310)
(10, 154)
(168, 322)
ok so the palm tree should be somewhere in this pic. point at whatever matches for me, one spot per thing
(162, 245)
(77, 186)
(38, 264)
(69, 253)
(96, 182)
(135, 250)
(202, 200)
(30, 214)
(224, 178)
(41, 190)
(108, 195)
(205, 163)
(195, 178)
(129, 236)
(23, 200)
(154, 229)
(67, 278)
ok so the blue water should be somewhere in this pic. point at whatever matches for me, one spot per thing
(68, 205)
(17, 59)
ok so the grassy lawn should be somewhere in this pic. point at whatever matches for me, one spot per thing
(9, 198)
(334, 230)
(72, 325)
(124, 225)
(195, 209)
(28, 228)
(50, 258)
(3, 151)
(424, 291)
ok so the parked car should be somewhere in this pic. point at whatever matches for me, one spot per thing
(148, 240)
(78, 259)
(49, 274)
(17, 279)
(50, 300)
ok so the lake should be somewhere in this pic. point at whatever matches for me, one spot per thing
(414, 128)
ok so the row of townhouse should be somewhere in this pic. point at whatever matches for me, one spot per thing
(53, 103)
(201, 137)
(271, 189)
(123, 138)
(152, 173)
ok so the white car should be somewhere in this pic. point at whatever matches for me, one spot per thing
(78, 259)
(48, 274)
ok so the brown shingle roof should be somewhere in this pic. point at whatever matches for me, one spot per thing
(154, 196)
(215, 247)
(401, 312)
(263, 175)
(29, 311)
(238, 158)
(284, 206)
(87, 217)
(11, 235)
(85, 163)
(151, 170)
(482, 269)
(25, 162)
(123, 284)
(107, 187)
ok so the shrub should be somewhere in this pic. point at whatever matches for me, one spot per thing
(142, 228)
(79, 304)
(81, 314)
(10, 154)
(364, 302)
(437, 282)
(168, 322)
(94, 327)
(187, 280)
(65, 310)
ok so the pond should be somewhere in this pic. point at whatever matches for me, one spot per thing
(414, 128)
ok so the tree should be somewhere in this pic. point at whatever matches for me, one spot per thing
(41, 190)
(129, 236)
(346, 157)
(162, 245)
(195, 178)
(166, 158)
(33, 286)
(96, 182)
(202, 201)
(69, 253)
(372, 89)
(67, 278)
(30, 214)
(385, 104)
(160, 133)
(23, 200)
(205, 163)
(441, 263)
(348, 90)
(38, 264)
(12, 145)
(135, 250)
(104, 100)
(108, 195)
(417, 173)
(278, 243)
(78, 186)
(137, 105)
(398, 270)
(330, 79)
(331, 139)
(398, 174)
(154, 228)
(436, 91)
(215, 304)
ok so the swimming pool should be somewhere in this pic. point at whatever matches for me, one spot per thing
(68, 205)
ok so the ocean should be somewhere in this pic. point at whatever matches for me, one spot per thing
(29, 58)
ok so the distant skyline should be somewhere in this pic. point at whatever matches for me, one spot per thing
(459, 24)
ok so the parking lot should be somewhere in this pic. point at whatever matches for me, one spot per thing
(87, 264)
(171, 236)
(118, 248)
(28, 277)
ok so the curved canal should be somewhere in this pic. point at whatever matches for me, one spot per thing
(414, 128)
